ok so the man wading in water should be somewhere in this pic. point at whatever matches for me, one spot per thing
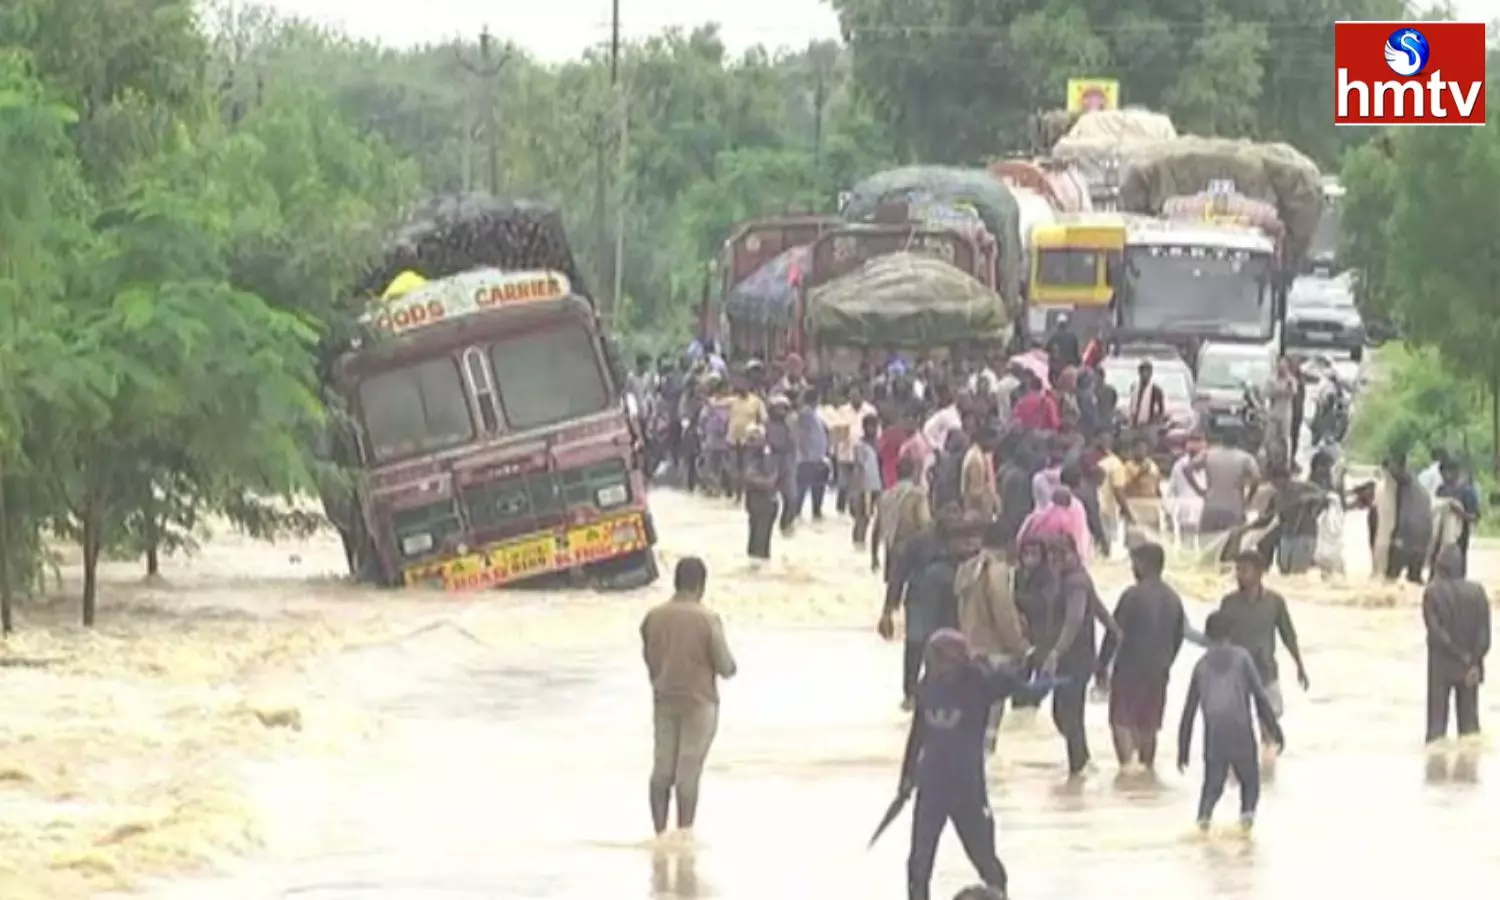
(944, 761)
(1151, 620)
(1227, 687)
(1254, 616)
(1457, 614)
(686, 653)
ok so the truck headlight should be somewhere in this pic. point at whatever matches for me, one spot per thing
(416, 544)
(612, 496)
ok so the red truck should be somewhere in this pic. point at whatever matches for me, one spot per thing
(493, 446)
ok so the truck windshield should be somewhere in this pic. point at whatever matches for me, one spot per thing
(416, 409)
(549, 376)
(1208, 290)
(1068, 267)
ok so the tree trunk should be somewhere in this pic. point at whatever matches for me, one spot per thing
(6, 598)
(151, 527)
(91, 545)
(1495, 422)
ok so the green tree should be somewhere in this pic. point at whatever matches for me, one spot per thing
(956, 82)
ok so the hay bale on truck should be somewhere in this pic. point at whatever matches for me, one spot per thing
(911, 301)
(1104, 142)
(455, 234)
(1275, 173)
(933, 187)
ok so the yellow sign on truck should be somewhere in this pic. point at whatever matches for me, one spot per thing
(1093, 94)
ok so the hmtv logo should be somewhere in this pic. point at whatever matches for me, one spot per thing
(1408, 73)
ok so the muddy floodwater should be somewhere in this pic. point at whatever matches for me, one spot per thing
(497, 747)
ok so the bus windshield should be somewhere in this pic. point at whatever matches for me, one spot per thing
(549, 376)
(417, 409)
(1208, 290)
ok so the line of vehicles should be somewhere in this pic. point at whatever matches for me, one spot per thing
(1209, 256)
(481, 408)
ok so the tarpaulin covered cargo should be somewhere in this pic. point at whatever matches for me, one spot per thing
(845, 250)
(1103, 142)
(1275, 173)
(769, 295)
(906, 300)
(1130, 124)
(455, 234)
(952, 187)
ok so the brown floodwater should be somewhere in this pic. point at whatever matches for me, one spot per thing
(505, 768)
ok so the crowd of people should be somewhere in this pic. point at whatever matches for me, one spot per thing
(983, 490)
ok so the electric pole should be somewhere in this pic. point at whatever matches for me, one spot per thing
(617, 268)
(488, 70)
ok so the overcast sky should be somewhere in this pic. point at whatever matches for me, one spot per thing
(558, 29)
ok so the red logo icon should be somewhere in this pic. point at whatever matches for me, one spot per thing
(1408, 73)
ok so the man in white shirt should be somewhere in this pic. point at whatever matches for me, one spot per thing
(945, 420)
(844, 423)
(1148, 405)
(1431, 477)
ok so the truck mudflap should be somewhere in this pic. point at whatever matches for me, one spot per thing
(542, 553)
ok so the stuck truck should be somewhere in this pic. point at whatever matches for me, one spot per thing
(492, 444)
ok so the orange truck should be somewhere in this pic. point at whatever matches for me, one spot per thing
(753, 246)
(493, 445)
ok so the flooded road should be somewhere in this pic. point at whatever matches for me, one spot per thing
(357, 744)
(503, 768)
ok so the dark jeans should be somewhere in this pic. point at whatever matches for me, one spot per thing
(688, 459)
(975, 824)
(843, 493)
(1443, 692)
(911, 668)
(762, 510)
(812, 480)
(1068, 704)
(1216, 774)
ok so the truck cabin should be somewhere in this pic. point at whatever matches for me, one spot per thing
(1193, 282)
(1072, 268)
(478, 358)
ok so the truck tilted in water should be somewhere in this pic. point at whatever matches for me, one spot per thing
(493, 446)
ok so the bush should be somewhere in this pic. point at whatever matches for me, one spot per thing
(1415, 405)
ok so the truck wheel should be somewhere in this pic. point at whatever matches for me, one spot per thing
(1357, 354)
(634, 571)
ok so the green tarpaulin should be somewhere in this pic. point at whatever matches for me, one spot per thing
(920, 186)
(907, 300)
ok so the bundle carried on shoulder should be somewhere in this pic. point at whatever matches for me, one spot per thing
(459, 233)
(1275, 173)
(769, 295)
(907, 300)
(937, 187)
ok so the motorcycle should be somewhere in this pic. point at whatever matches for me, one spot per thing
(1332, 416)
(1252, 417)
